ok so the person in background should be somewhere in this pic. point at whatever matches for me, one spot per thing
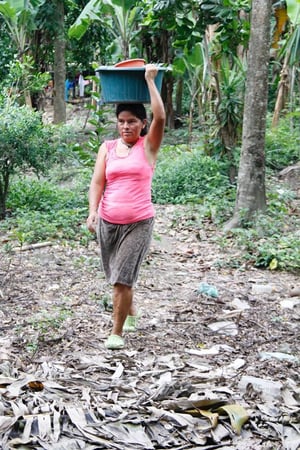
(81, 85)
(120, 206)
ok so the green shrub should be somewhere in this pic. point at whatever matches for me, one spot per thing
(270, 241)
(42, 210)
(184, 176)
(42, 195)
(25, 144)
(283, 143)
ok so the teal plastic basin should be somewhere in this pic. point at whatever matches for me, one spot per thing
(126, 85)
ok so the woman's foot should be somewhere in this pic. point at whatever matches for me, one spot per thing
(130, 323)
(114, 342)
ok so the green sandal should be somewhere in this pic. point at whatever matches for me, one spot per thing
(114, 342)
(130, 323)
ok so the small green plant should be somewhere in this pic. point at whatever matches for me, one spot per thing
(32, 347)
(106, 303)
(47, 323)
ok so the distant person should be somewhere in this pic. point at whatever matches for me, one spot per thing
(68, 85)
(81, 84)
(120, 206)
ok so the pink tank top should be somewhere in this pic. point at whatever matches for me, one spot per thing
(127, 194)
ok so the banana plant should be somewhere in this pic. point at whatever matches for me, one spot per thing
(119, 16)
(19, 17)
(291, 53)
(293, 44)
(193, 66)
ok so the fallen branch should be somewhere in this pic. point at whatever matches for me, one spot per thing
(24, 248)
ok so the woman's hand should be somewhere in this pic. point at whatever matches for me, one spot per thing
(150, 71)
(92, 221)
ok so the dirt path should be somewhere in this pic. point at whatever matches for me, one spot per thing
(239, 347)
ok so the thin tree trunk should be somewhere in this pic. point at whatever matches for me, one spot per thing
(59, 103)
(4, 183)
(28, 100)
(179, 95)
(283, 90)
(251, 195)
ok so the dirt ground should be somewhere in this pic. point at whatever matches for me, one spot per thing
(194, 351)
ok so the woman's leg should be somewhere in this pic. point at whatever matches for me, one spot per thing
(122, 306)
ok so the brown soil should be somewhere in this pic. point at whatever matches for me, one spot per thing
(55, 317)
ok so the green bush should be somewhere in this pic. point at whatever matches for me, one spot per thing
(283, 143)
(270, 240)
(43, 210)
(41, 195)
(25, 144)
(184, 176)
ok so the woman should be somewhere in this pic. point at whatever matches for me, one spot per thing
(120, 202)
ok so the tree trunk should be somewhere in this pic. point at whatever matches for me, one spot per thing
(59, 103)
(27, 96)
(283, 91)
(178, 97)
(251, 195)
(4, 183)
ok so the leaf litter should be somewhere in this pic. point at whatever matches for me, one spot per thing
(214, 363)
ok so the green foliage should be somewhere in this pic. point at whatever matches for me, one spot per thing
(270, 241)
(22, 135)
(43, 210)
(232, 87)
(117, 17)
(184, 176)
(39, 195)
(190, 19)
(227, 127)
(23, 77)
(87, 151)
(47, 322)
(233, 27)
(6, 50)
(283, 142)
(25, 144)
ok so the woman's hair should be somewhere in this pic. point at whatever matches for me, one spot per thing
(137, 109)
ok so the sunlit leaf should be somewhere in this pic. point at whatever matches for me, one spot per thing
(237, 414)
(212, 416)
(273, 264)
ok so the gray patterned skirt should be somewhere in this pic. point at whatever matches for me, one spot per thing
(123, 248)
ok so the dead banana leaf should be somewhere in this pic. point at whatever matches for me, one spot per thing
(237, 415)
(212, 416)
(185, 405)
(35, 386)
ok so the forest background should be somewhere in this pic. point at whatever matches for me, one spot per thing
(45, 43)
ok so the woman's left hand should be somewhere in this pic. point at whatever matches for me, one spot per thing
(150, 71)
(92, 221)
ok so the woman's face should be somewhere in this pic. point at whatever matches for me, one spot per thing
(129, 126)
